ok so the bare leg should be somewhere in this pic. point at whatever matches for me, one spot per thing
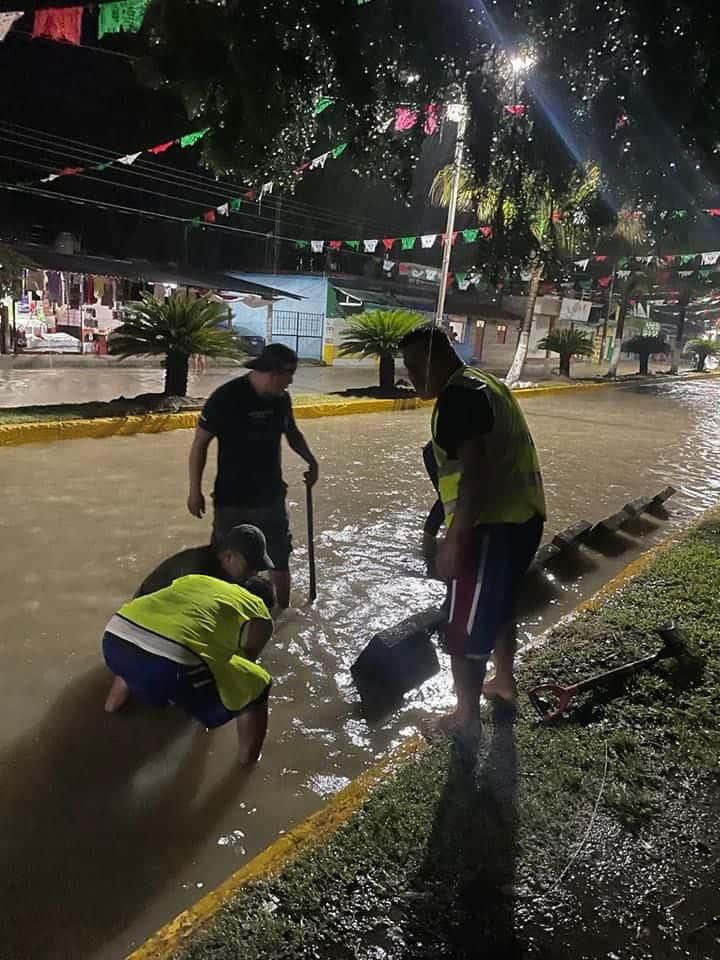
(281, 582)
(502, 685)
(468, 676)
(252, 727)
(118, 695)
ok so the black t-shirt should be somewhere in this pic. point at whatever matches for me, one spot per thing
(194, 560)
(249, 429)
(462, 412)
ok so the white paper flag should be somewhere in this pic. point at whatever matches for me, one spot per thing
(623, 274)
(223, 209)
(53, 176)
(319, 161)
(428, 240)
(583, 264)
(129, 159)
(267, 189)
(317, 246)
(388, 265)
(7, 20)
(710, 259)
(370, 246)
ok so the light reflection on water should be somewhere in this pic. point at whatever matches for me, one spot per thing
(83, 521)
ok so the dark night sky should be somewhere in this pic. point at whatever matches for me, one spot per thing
(56, 90)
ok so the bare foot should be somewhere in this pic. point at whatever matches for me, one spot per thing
(118, 695)
(450, 725)
(493, 691)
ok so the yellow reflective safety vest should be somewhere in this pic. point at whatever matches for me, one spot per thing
(520, 493)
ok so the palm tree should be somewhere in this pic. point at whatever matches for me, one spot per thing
(644, 347)
(552, 224)
(176, 329)
(633, 286)
(567, 343)
(377, 333)
(702, 350)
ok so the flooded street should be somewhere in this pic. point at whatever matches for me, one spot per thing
(112, 825)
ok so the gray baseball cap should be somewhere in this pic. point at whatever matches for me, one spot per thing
(250, 542)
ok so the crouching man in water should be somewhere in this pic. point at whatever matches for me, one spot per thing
(491, 489)
(195, 644)
(239, 554)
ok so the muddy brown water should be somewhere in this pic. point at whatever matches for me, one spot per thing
(112, 825)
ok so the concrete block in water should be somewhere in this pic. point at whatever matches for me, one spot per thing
(546, 555)
(399, 659)
(664, 495)
(638, 506)
(573, 535)
(613, 522)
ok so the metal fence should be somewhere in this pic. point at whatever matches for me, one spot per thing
(303, 332)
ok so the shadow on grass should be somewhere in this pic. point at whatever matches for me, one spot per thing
(464, 904)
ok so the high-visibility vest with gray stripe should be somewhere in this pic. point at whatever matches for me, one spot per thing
(520, 492)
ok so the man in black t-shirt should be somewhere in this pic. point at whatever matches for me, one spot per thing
(249, 416)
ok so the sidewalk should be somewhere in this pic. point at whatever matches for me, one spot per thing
(597, 837)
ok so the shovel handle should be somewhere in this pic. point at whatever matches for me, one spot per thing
(561, 695)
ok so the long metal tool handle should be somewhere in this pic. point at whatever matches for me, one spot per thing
(311, 543)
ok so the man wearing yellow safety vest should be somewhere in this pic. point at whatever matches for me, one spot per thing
(491, 489)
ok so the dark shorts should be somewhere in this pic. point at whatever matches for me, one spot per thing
(271, 519)
(158, 681)
(483, 598)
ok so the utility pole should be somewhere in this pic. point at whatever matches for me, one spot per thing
(276, 248)
(457, 112)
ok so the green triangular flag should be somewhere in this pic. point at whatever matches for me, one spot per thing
(236, 203)
(687, 258)
(195, 222)
(125, 15)
(470, 236)
(623, 263)
(101, 166)
(302, 244)
(460, 277)
(190, 139)
(339, 150)
(322, 104)
(704, 274)
(408, 243)
(353, 244)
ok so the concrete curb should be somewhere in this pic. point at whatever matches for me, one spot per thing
(16, 434)
(171, 938)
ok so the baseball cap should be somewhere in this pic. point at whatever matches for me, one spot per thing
(251, 543)
(275, 358)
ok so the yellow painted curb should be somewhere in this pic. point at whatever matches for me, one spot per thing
(16, 434)
(171, 938)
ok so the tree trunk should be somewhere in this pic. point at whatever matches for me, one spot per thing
(516, 368)
(678, 345)
(176, 374)
(4, 329)
(700, 363)
(387, 373)
(617, 345)
(644, 364)
(565, 365)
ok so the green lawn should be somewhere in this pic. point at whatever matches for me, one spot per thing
(553, 842)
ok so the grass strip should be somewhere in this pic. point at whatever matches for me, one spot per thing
(499, 854)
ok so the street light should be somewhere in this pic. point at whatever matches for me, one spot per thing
(522, 62)
(457, 112)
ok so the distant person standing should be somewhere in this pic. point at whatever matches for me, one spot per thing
(491, 489)
(249, 416)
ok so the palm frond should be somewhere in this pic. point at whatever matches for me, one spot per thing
(566, 342)
(178, 325)
(442, 187)
(378, 333)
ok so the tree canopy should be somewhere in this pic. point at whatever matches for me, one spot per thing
(590, 79)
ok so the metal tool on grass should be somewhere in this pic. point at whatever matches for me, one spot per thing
(311, 542)
(552, 700)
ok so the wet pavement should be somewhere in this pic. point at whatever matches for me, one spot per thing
(80, 384)
(114, 824)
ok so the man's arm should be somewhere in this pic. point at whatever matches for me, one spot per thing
(478, 484)
(196, 464)
(255, 636)
(298, 443)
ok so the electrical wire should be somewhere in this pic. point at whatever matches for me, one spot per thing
(189, 178)
(26, 35)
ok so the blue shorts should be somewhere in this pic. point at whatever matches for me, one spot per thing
(158, 681)
(483, 598)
